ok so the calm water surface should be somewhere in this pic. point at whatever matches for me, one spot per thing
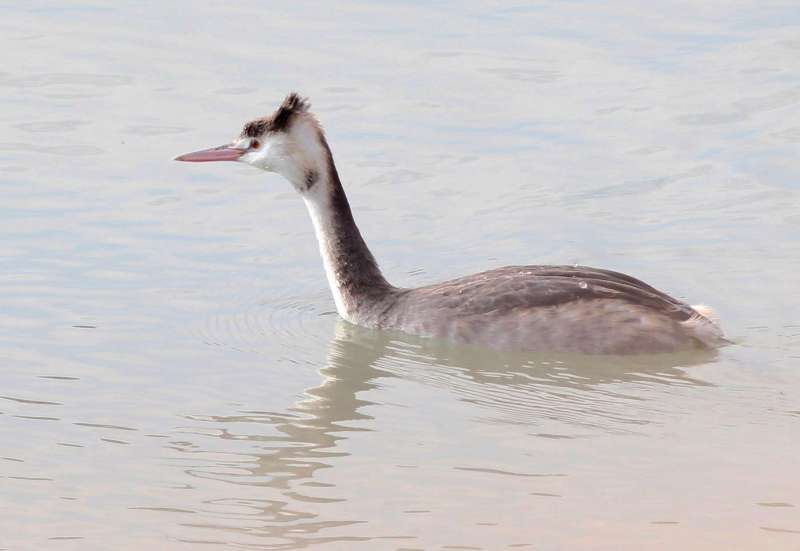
(174, 377)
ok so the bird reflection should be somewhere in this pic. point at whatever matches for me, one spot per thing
(577, 392)
(304, 441)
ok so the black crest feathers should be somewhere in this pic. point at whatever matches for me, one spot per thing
(279, 120)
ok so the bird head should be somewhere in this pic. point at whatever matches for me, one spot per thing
(290, 142)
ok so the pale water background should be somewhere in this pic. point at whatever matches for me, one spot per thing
(173, 376)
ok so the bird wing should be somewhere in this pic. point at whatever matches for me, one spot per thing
(514, 287)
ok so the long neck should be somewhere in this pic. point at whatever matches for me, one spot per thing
(353, 274)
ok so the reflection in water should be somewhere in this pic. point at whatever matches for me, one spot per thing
(574, 390)
(295, 446)
(303, 441)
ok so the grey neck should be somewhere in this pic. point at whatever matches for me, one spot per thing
(356, 281)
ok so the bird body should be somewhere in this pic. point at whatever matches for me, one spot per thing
(536, 308)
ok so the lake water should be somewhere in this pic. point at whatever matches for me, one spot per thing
(174, 377)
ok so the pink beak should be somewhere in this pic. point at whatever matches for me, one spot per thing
(221, 153)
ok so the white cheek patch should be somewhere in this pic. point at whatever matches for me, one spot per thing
(270, 154)
(297, 153)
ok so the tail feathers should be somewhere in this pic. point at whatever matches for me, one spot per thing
(704, 326)
(706, 311)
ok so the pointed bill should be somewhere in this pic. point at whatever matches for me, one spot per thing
(222, 153)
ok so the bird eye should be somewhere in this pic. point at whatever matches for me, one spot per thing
(255, 144)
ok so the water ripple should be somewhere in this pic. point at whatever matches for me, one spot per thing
(292, 324)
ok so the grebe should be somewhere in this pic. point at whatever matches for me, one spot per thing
(530, 308)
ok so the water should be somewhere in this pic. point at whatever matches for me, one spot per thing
(173, 375)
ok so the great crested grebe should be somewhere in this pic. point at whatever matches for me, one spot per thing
(535, 308)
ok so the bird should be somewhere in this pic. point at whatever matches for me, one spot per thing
(559, 309)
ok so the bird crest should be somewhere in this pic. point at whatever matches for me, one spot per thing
(280, 120)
